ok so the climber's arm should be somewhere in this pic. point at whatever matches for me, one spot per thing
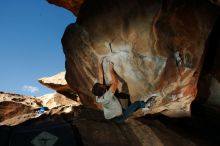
(114, 84)
(100, 74)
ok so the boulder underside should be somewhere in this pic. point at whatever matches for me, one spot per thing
(155, 46)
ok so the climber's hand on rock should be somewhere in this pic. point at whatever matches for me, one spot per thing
(114, 84)
(101, 59)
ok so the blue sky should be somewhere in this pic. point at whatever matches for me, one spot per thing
(30, 44)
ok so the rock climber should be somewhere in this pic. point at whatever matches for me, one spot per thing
(111, 106)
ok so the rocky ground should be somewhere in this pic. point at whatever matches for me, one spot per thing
(16, 109)
(157, 130)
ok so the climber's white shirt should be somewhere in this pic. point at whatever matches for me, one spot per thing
(111, 106)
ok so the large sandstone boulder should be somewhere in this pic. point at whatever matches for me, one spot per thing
(156, 47)
(59, 83)
(53, 100)
(16, 109)
(56, 82)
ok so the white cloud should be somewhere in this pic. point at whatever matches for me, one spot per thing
(31, 89)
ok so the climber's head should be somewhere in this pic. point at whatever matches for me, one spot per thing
(98, 89)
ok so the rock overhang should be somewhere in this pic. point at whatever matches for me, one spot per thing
(150, 44)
